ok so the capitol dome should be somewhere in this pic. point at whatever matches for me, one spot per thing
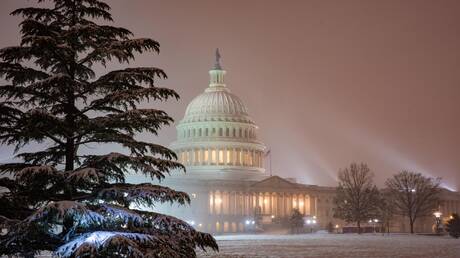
(216, 103)
(216, 133)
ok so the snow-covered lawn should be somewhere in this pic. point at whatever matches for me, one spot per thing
(337, 246)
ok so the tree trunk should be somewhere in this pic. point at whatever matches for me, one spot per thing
(69, 155)
(411, 222)
(358, 223)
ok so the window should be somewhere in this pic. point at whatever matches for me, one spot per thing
(198, 156)
(187, 157)
(213, 156)
(221, 132)
(227, 132)
(193, 195)
(207, 131)
(221, 157)
(199, 132)
(229, 158)
(206, 156)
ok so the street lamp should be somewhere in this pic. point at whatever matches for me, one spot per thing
(437, 216)
(373, 222)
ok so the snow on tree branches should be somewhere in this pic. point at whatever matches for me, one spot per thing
(57, 198)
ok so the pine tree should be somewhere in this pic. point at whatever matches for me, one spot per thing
(58, 199)
(453, 226)
(356, 196)
(296, 221)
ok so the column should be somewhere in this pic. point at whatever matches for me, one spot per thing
(202, 156)
(213, 205)
(304, 205)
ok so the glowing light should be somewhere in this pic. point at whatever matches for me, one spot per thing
(370, 221)
(314, 217)
(248, 222)
(337, 226)
(265, 201)
(193, 195)
(253, 222)
(273, 216)
(376, 220)
(412, 190)
(218, 200)
(451, 217)
(313, 221)
(200, 225)
(308, 221)
(437, 214)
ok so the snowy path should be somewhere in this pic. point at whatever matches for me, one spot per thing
(337, 246)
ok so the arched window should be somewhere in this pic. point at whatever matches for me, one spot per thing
(227, 132)
(245, 133)
(213, 156)
(234, 132)
(240, 133)
(221, 157)
(213, 133)
(206, 156)
(229, 156)
(199, 132)
(194, 132)
(221, 132)
(207, 132)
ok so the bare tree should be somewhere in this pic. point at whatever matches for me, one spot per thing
(386, 210)
(413, 195)
(357, 196)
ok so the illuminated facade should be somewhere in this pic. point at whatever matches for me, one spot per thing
(217, 142)
(230, 191)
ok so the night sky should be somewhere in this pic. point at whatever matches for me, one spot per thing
(328, 82)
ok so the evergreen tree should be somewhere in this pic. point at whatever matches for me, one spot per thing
(453, 226)
(357, 196)
(296, 221)
(58, 199)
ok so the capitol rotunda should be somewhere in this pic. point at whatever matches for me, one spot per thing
(217, 134)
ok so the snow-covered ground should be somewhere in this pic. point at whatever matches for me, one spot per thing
(337, 246)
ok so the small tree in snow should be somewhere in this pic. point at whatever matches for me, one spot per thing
(413, 195)
(356, 197)
(296, 221)
(330, 227)
(453, 226)
(59, 199)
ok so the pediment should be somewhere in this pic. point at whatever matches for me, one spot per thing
(275, 182)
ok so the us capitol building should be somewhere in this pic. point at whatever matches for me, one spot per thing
(226, 180)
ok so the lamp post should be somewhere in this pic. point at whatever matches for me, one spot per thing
(437, 216)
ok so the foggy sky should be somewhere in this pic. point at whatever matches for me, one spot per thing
(328, 82)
